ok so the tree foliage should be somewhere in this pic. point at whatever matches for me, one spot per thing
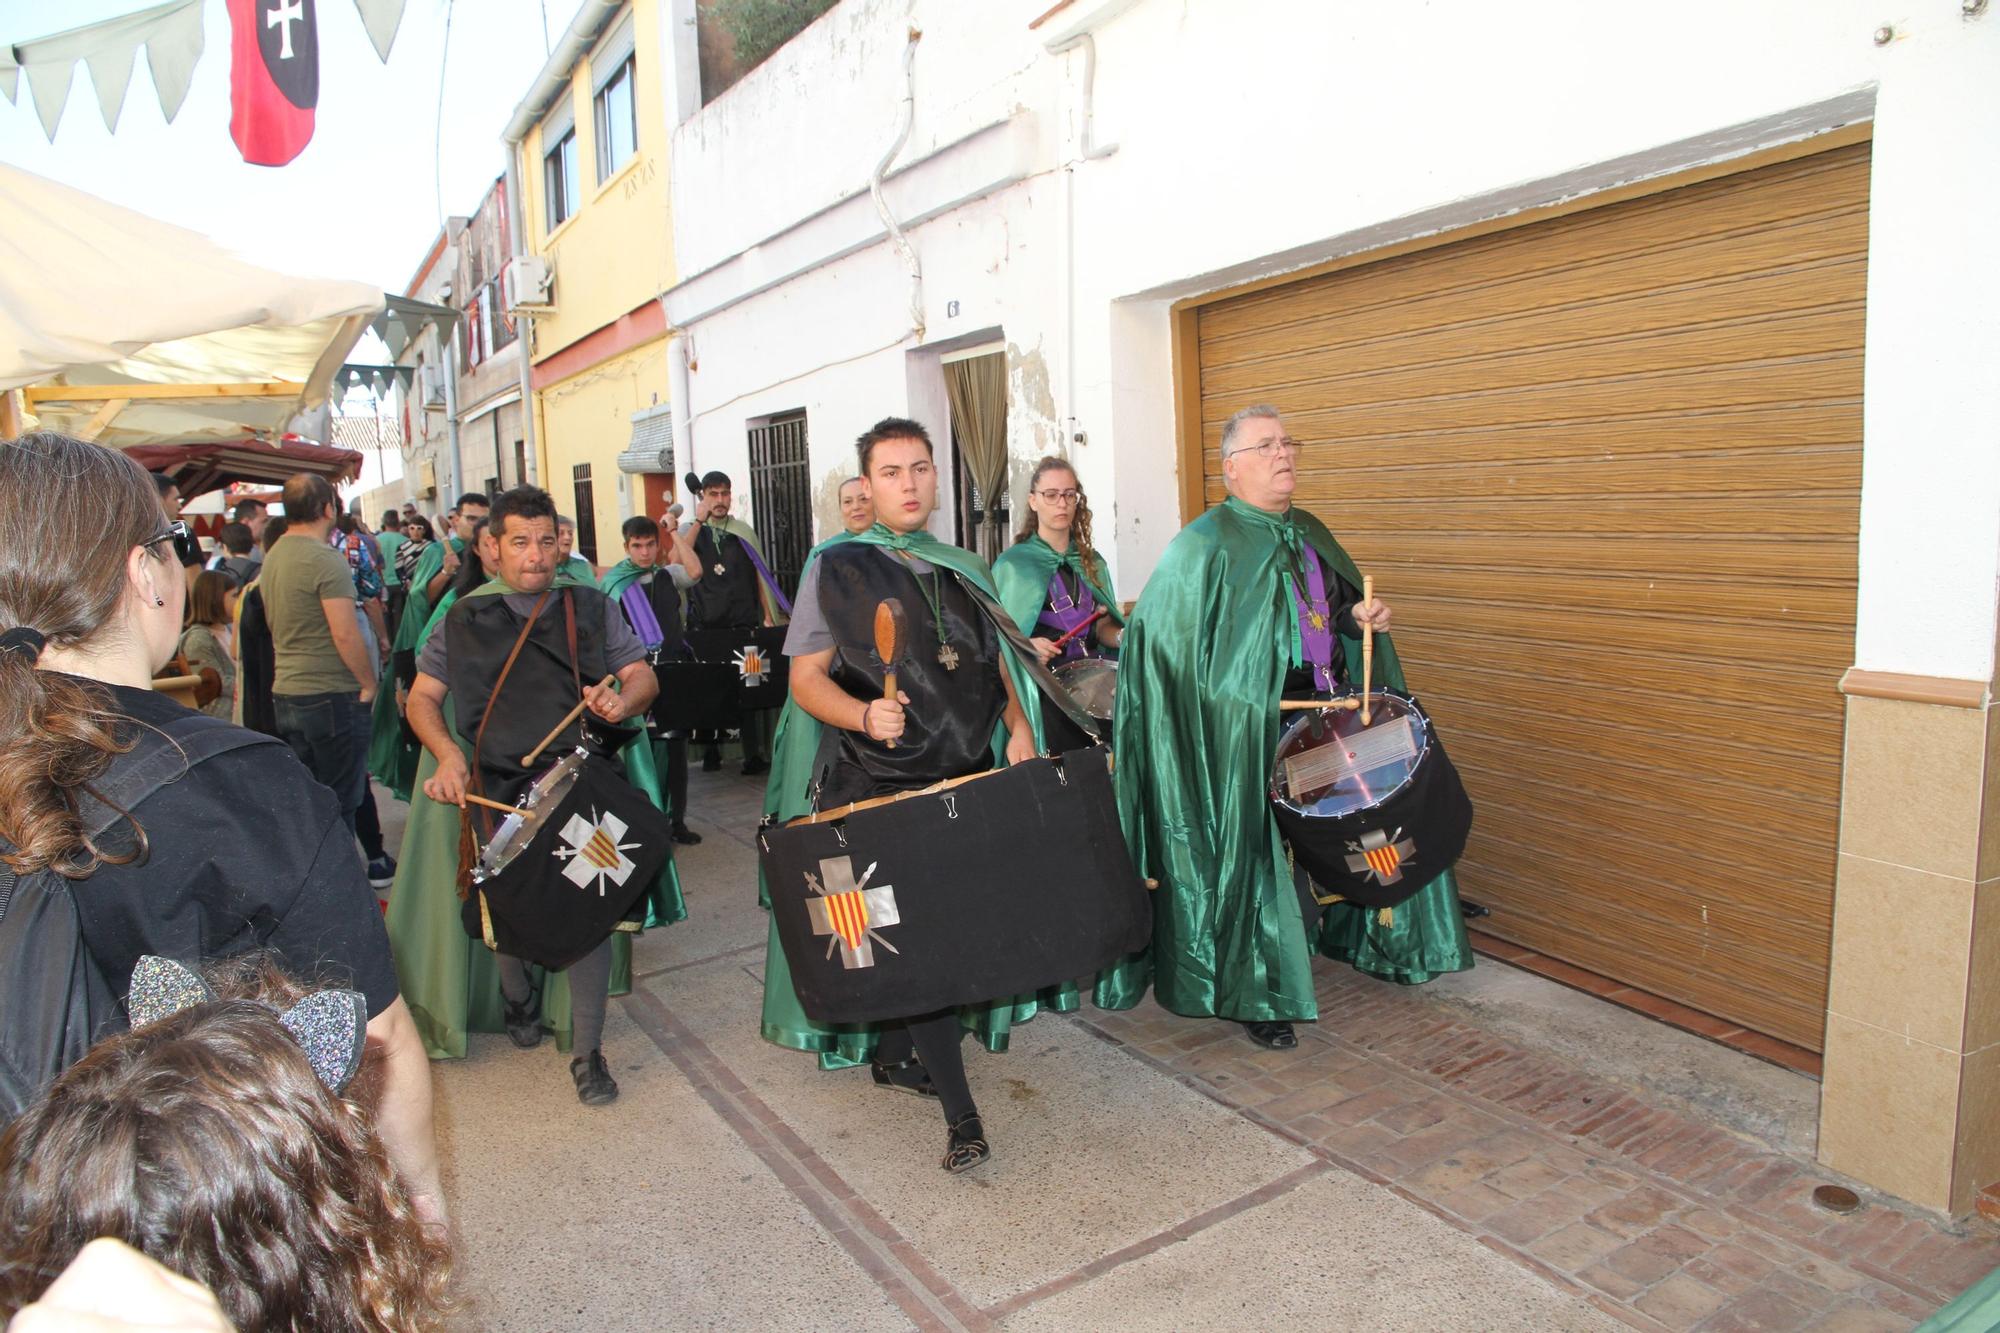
(759, 27)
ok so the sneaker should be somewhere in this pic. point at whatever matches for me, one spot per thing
(524, 1025)
(686, 836)
(382, 871)
(594, 1084)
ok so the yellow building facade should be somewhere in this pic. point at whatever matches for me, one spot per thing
(592, 175)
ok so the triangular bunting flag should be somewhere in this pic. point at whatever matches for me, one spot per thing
(172, 52)
(48, 84)
(110, 75)
(381, 18)
(10, 73)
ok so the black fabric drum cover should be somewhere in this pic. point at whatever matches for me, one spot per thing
(715, 676)
(1381, 856)
(999, 886)
(695, 696)
(586, 869)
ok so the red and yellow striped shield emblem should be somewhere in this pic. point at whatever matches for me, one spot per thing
(600, 851)
(1383, 861)
(848, 913)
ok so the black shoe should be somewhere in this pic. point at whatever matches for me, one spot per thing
(524, 1024)
(904, 1076)
(685, 836)
(711, 762)
(753, 767)
(966, 1147)
(594, 1084)
(1274, 1036)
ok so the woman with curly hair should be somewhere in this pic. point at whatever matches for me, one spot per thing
(209, 1141)
(1052, 581)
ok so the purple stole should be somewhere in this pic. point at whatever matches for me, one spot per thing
(1316, 644)
(638, 609)
(1062, 613)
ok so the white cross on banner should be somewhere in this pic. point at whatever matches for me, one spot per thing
(850, 912)
(595, 853)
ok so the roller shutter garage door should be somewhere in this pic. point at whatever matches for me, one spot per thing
(1606, 467)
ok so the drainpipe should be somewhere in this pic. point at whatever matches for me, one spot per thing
(524, 326)
(895, 229)
(677, 406)
(1089, 151)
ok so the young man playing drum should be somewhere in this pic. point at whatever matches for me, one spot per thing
(533, 636)
(1252, 601)
(841, 740)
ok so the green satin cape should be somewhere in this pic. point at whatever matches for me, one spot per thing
(393, 757)
(449, 980)
(1022, 575)
(788, 795)
(1201, 668)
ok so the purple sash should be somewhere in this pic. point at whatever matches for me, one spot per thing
(1062, 613)
(764, 573)
(639, 611)
(1317, 643)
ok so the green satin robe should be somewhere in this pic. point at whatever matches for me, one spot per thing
(1022, 575)
(1201, 669)
(392, 757)
(788, 795)
(451, 981)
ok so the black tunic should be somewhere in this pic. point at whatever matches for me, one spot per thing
(725, 597)
(950, 719)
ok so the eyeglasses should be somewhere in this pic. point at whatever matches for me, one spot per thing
(176, 531)
(1060, 497)
(1269, 448)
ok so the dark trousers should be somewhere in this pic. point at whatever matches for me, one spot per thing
(670, 756)
(329, 734)
(937, 1040)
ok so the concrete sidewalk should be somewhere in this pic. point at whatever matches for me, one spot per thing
(1149, 1171)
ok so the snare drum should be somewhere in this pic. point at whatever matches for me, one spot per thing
(1375, 812)
(575, 856)
(992, 885)
(1092, 682)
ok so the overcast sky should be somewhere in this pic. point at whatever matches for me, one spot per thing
(362, 200)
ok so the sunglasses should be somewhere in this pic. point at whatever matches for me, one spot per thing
(176, 531)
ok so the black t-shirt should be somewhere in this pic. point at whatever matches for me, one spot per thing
(246, 851)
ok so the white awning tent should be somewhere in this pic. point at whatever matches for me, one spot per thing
(128, 330)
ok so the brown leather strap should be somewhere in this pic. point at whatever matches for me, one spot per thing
(569, 626)
(479, 736)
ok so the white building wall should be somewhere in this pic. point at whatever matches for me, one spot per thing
(1257, 138)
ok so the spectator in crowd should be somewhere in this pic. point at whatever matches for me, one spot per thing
(417, 534)
(323, 676)
(186, 549)
(214, 1140)
(364, 562)
(207, 641)
(253, 514)
(236, 558)
(388, 541)
(90, 608)
(256, 657)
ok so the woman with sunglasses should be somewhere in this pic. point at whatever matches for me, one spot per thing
(1052, 581)
(176, 834)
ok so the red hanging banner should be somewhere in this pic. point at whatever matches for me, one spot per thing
(273, 78)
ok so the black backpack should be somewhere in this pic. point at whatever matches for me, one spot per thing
(54, 998)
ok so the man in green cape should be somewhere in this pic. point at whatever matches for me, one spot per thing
(647, 586)
(1213, 643)
(737, 591)
(392, 751)
(454, 984)
(1051, 580)
(835, 732)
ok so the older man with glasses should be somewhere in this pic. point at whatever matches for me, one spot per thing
(1252, 602)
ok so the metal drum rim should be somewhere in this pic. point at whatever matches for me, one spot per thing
(1430, 734)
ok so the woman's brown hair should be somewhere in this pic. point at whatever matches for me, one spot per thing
(208, 603)
(206, 1142)
(70, 513)
(1079, 528)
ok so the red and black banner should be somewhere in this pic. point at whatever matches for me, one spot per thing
(273, 78)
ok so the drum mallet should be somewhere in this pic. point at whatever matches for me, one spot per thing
(1064, 640)
(889, 638)
(1367, 645)
(470, 799)
(528, 759)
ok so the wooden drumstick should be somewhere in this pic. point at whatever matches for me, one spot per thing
(562, 726)
(470, 799)
(1367, 644)
(1304, 705)
(1064, 640)
(888, 638)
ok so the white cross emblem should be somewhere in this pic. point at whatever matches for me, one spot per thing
(1381, 855)
(849, 912)
(282, 15)
(595, 852)
(751, 664)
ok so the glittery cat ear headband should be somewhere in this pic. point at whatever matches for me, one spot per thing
(330, 1026)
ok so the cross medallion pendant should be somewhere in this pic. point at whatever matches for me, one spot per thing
(947, 657)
